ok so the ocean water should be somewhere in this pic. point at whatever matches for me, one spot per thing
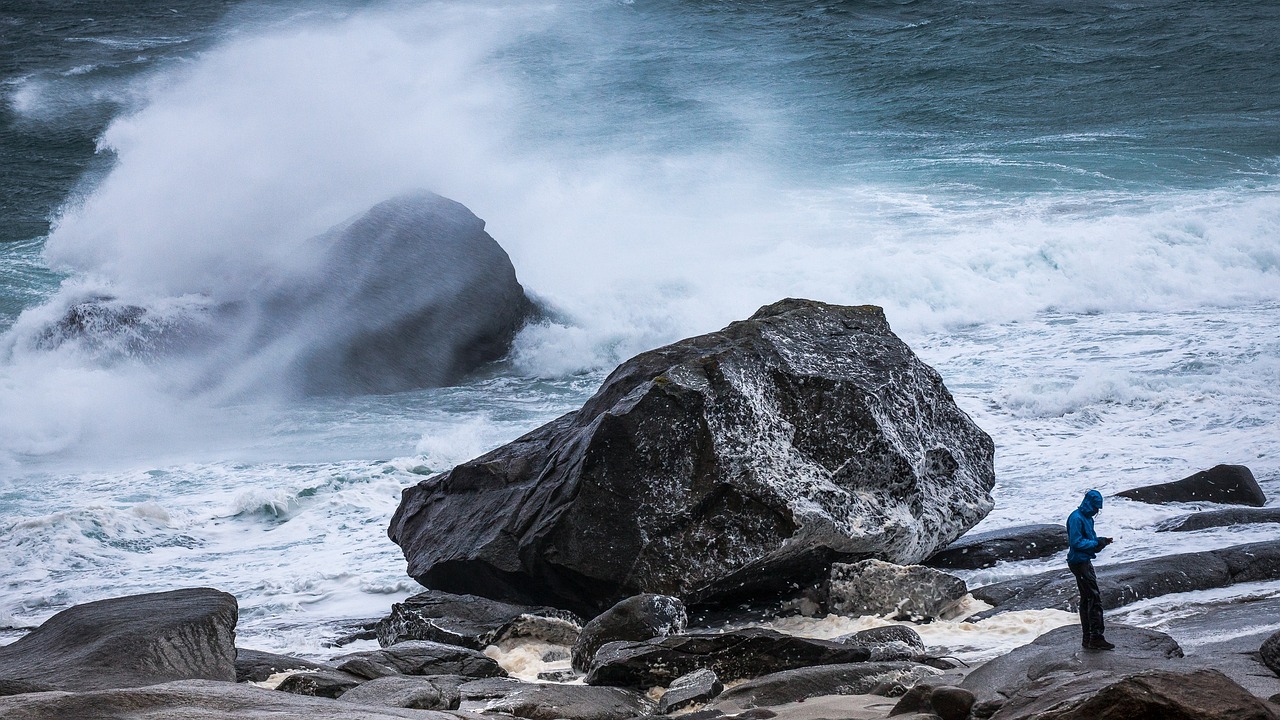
(1071, 210)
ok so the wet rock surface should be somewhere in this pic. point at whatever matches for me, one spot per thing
(983, 550)
(552, 701)
(1226, 484)
(128, 642)
(901, 592)
(1219, 518)
(802, 683)
(1124, 583)
(466, 620)
(1269, 653)
(1164, 694)
(420, 693)
(256, 665)
(195, 700)
(421, 657)
(637, 618)
(327, 683)
(1058, 652)
(696, 687)
(886, 635)
(720, 467)
(732, 655)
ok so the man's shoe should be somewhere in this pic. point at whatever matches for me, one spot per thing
(1099, 643)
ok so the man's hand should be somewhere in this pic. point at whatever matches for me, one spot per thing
(1105, 541)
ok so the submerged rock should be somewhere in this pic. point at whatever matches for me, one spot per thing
(1226, 484)
(412, 293)
(471, 621)
(905, 592)
(636, 618)
(725, 466)
(1219, 518)
(982, 550)
(128, 642)
(1129, 582)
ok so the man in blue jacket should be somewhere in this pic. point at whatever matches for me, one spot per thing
(1084, 547)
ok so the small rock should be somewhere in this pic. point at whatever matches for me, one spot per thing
(256, 665)
(639, 617)
(422, 657)
(320, 683)
(950, 702)
(559, 675)
(1270, 652)
(886, 635)
(1226, 484)
(421, 693)
(466, 620)
(698, 686)
(555, 655)
(905, 592)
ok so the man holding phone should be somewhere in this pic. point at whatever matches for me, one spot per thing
(1085, 545)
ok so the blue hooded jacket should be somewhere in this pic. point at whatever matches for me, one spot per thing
(1084, 542)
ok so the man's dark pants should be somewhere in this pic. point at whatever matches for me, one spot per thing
(1090, 599)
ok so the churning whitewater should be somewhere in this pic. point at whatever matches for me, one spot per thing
(1081, 235)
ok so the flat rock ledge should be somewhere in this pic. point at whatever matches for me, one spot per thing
(129, 642)
(720, 468)
(1129, 582)
(983, 550)
(731, 655)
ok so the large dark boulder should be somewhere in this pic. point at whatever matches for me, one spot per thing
(732, 655)
(1129, 582)
(637, 618)
(1219, 518)
(1164, 694)
(196, 700)
(886, 635)
(1226, 484)
(553, 702)
(128, 642)
(412, 293)
(724, 466)
(982, 550)
(467, 620)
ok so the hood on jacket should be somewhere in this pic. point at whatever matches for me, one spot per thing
(1092, 503)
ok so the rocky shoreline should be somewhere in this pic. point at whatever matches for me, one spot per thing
(658, 553)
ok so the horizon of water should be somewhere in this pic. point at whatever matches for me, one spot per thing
(1070, 210)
